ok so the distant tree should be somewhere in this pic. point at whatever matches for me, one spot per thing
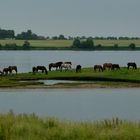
(26, 45)
(61, 37)
(7, 34)
(116, 46)
(27, 35)
(76, 43)
(54, 38)
(132, 46)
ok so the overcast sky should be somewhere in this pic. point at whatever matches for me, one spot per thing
(72, 17)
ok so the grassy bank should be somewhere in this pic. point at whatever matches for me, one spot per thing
(31, 127)
(108, 78)
(66, 44)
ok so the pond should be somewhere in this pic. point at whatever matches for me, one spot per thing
(74, 104)
(25, 60)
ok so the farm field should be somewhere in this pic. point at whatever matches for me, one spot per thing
(68, 43)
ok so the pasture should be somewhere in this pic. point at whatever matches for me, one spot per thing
(68, 43)
(107, 78)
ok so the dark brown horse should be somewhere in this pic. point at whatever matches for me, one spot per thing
(13, 68)
(107, 66)
(9, 70)
(131, 64)
(78, 68)
(6, 71)
(99, 67)
(115, 66)
(40, 68)
(55, 65)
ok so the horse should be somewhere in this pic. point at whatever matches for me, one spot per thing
(11, 68)
(78, 68)
(55, 65)
(1, 72)
(131, 64)
(34, 69)
(68, 62)
(115, 66)
(40, 68)
(107, 65)
(99, 67)
(66, 66)
(6, 71)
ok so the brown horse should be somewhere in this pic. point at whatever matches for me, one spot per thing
(6, 71)
(78, 68)
(13, 68)
(99, 67)
(39, 68)
(115, 66)
(107, 66)
(9, 70)
(55, 65)
(131, 64)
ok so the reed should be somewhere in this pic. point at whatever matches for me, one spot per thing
(32, 127)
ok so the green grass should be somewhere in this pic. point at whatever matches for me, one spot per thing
(108, 77)
(68, 43)
(32, 127)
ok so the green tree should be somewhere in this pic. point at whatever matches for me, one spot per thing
(26, 45)
(132, 46)
(76, 43)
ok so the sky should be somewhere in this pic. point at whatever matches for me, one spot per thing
(72, 17)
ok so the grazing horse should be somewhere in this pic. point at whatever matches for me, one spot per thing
(1, 72)
(55, 65)
(40, 68)
(99, 67)
(68, 62)
(34, 69)
(66, 66)
(11, 68)
(107, 66)
(115, 66)
(131, 64)
(78, 68)
(6, 71)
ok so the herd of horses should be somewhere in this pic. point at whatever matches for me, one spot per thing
(110, 66)
(67, 66)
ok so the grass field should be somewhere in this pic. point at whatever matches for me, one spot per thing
(68, 43)
(31, 127)
(110, 78)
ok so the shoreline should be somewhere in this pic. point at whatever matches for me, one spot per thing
(92, 85)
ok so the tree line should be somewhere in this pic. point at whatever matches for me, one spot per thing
(29, 35)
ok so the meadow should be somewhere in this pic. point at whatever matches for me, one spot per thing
(122, 77)
(32, 127)
(68, 43)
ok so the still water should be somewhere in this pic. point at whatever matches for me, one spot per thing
(74, 104)
(25, 60)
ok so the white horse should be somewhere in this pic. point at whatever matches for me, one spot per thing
(65, 66)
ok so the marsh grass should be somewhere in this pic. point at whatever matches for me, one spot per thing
(32, 127)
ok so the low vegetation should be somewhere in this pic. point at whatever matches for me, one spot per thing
(11, 44)
(107, 77)
(32, 127)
